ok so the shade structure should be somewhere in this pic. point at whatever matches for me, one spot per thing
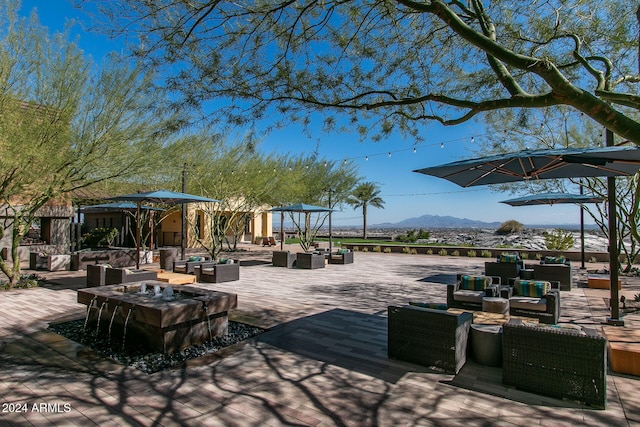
(299, 207)
(539, 164)
(610, 161)
(119, 206)
(556, 199)
(553, 199)
(159, 196)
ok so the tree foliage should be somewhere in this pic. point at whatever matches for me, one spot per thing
(558, 240)
(509, 227)
(65, 125)
(391, 65)
(364, 195)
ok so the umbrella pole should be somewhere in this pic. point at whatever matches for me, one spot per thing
(282, 230)
(138, 236)
(614, 320)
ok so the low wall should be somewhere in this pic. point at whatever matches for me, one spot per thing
(113, 257)
(574, 256)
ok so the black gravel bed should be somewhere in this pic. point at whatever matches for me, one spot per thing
(142, 359)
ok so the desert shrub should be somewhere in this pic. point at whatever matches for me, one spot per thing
(558, 240)
(100, 237)
(471, 253)
(377, 249)
(538, 256)
(455, 253)
(524, 255)
(429, 251)
(365, 249)
(486, 254)
(509, 227)
(593, 259)
(406, 250)
(412, 236)
(414, 251)
(442, 252)
(387, 250)
(355, 248)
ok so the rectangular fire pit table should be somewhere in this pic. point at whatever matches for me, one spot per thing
(162, 323)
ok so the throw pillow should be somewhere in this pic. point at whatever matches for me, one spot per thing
(554, 260)
(509, 258)
(474, 283)
(531, 288)
(432, 305)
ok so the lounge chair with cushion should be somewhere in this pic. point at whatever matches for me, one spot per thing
(533, 298)
(507, 266)
(428, 337)
(310, 260)
(554, 269)
(115, 276)
(468, 291)
(342, 256)
(226, 270)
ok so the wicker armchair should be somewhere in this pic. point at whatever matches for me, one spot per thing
(283, 259)
(345, 257)
(554, 272)
(557, 362)
(469, 299)
(545, 308)
(217, 273)
(428, 337)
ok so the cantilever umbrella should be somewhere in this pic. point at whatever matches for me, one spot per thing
(549, 164)
(159, 196)
(555, 199)
(302, 208)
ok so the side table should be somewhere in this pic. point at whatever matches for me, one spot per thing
(486, 344)
(495, 305)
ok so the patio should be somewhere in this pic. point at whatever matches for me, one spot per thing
(324, 362)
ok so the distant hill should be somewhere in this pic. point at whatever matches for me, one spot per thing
(436, 221)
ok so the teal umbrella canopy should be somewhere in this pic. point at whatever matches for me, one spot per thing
(163, 196)
(301, 207)
(119, 207)
(539, 164)
(553, 199)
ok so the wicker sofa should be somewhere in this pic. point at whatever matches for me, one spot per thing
(428, 337)
(557, 362)
(217, 273)
(115, 276)
(544, 305)
(460, 296)
(187, 266)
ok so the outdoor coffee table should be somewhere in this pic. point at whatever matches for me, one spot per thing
(495, 305)
(486, 344)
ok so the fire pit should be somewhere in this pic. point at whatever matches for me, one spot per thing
(152, 312)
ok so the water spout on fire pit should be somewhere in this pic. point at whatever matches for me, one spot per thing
(86, 319)
(124, 331)
(157, 291)
(167, 294)
(100, 315)
(115, 310)
(143, 288)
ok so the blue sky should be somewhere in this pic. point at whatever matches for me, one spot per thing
(406, 193)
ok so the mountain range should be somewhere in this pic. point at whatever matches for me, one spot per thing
(437, 221)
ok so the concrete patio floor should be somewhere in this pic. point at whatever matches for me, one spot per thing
(323, 362)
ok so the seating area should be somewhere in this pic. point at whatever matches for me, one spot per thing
(533, 298)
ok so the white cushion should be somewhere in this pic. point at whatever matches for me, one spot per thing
(467, 295)
(528, 303)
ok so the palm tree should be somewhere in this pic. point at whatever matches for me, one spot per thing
(364, 195)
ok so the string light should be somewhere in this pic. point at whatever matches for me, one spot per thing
(414, 150)
(473, 139)
(366, 158)
(389, 154)
(442, 145)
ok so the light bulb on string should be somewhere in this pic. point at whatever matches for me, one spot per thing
(442, 145)
(414, 150)
(389, 154)
(473, 139)
(366, 158)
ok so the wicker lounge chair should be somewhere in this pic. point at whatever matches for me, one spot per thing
(218, 273)
(507, 266)
(554, 271)
(459, 297)
(428, 337)
(556, 362)
(344, 257)
(545, 308)
(283, 259)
